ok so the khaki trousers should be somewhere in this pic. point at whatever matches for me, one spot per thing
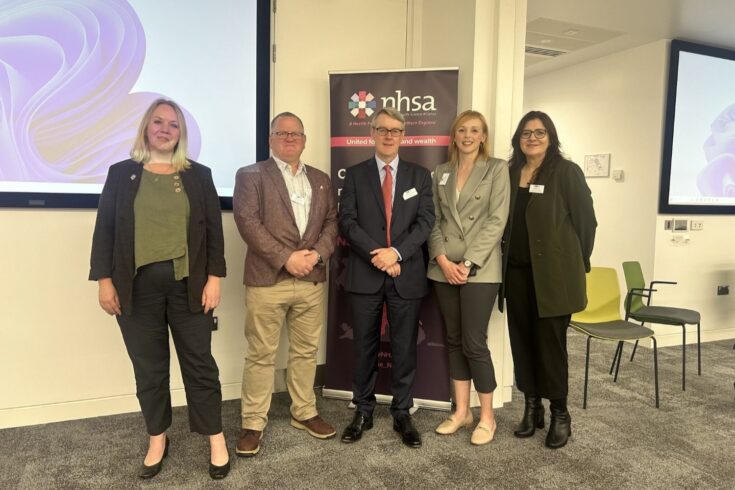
(301, 305)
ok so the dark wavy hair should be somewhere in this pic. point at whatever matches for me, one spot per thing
(553, 152)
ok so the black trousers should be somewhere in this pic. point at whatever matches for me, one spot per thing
(403, 320)
(466, 311)
(159, 301)
(539, 345)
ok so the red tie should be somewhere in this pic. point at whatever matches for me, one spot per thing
(388, 200)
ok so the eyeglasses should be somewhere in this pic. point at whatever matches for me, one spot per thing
(385, 131)
(538, 133)
(297, 135)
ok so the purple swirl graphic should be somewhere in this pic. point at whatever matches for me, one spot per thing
(67, 68)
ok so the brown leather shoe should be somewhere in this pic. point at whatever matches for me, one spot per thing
(316, 426)
(249, 442)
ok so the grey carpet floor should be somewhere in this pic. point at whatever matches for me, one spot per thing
(620, 441)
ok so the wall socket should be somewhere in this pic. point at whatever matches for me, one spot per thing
(723, 290)
(696, 225)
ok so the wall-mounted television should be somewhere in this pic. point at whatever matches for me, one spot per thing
(77, 75)
(698, 167)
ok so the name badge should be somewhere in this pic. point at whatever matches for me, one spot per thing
(536, 189)
(444, 180)
(410, 193)
(298, 199)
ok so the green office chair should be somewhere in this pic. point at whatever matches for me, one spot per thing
(601, 319)
(645, 313)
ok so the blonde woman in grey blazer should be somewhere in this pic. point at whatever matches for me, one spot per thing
(471, 200)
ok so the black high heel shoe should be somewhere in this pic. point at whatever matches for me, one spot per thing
(219, 472)
(151, 471)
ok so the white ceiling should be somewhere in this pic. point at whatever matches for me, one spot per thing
(639, 21)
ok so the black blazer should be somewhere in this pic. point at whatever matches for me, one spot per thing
(561, 227)
(362, 224)
(113, 243)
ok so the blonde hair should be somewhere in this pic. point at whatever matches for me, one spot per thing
(465, 116)
(140, 151)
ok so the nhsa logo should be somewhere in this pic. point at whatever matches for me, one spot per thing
(363, 104)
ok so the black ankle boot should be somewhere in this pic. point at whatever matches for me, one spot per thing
(533, 418)
(560, 427)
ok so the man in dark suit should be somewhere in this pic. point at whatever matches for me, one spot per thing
(287, 214)
(386, 215)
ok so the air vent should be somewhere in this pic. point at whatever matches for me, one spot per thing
(549, 53)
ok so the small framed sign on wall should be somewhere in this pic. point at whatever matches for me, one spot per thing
(597, 165)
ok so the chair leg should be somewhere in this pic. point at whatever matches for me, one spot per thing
(699, 351)
(586, 372)
(618, 349)
(617, 368)
(683, 358)
(635, 346)
(655, 368)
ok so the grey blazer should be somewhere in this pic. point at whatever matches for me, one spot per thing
(471, 226)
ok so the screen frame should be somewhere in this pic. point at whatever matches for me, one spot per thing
(664, 207)
(53, 200)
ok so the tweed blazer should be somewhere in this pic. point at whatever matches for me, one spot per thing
(470, 226)
(113, 243)
(561, 234)
(264, 216)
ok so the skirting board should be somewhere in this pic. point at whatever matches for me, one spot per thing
(96, 407)
(127, 403)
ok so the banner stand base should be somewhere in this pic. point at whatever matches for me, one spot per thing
(386, 400)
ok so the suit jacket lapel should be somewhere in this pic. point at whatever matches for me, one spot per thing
(543, 180)
(274, 174)
(373, 178)
(476, 176)
(450, 194)
(316, 200)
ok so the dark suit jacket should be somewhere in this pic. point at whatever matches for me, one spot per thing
(113, 243)
(561, 233)
(264, 215)
(362, 223)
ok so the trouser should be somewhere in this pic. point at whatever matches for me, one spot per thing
(403, 324)
(466, 311)
(160, 302)
(301, 305)
(539, 345)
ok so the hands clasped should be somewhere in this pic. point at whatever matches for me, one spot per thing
(386, 259)
(301, 262)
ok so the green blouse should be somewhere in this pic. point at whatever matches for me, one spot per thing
(162, 222)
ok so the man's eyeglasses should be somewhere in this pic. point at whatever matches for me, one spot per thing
(297, 135)
(538, 133)
(385, 131)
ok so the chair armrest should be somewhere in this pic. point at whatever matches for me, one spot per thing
(663, 282)
(629, 298)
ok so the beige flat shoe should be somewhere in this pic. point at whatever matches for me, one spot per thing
(451, 425)
(483, 434)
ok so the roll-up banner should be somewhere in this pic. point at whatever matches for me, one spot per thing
(428, 100)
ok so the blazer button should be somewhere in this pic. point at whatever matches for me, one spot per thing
(446, 238)
(477, 196)
(472, 218)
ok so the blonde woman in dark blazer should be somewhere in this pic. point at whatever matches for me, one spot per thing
(471, 200)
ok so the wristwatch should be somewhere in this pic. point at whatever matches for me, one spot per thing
(467, 264)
